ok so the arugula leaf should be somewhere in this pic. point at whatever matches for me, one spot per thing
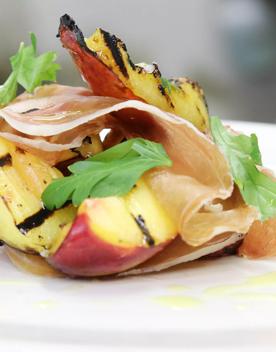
(243, 155)
(111, 173)
(8, 90)
(28, 70)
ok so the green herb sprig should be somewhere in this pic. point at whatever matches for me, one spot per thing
(243, 155)
(167, 84)
(110, 173)
(28, 70)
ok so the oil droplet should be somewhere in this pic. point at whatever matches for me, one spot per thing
(178, 302)
(222, 290)
(14, 282)
(45, 304)
(255, 296)
(267, 279)
(177, 288)
(262, 280)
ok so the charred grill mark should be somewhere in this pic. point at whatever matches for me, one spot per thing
(113, 44)
(123, 46)
(156, 73)
(162, 89)
(67, 22)
(140, 221)
(176, 82)
(5, 160)
(205, 101)
(192, 83)
(5, 201)
(195, 85)
(203, 123)
(139, 69)
(164, 93)
(129, 61)
(34, 220)
(30, 110)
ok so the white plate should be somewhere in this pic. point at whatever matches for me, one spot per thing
(227, 304)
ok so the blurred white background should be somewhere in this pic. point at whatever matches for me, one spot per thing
(228, 46)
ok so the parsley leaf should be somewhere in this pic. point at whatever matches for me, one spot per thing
(243, 155)
(28, 70)
(111, 173)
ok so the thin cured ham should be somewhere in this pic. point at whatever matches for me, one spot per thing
(164, 185)
(199, 177)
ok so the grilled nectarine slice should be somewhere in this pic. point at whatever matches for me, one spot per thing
(113, 234)
(106, 66)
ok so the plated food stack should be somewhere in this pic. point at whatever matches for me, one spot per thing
(165, 185)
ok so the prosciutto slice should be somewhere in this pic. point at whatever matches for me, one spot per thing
(197, 191)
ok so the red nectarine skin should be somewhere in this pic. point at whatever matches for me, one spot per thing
(83, 253)
(100, 78)
(103, 81)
